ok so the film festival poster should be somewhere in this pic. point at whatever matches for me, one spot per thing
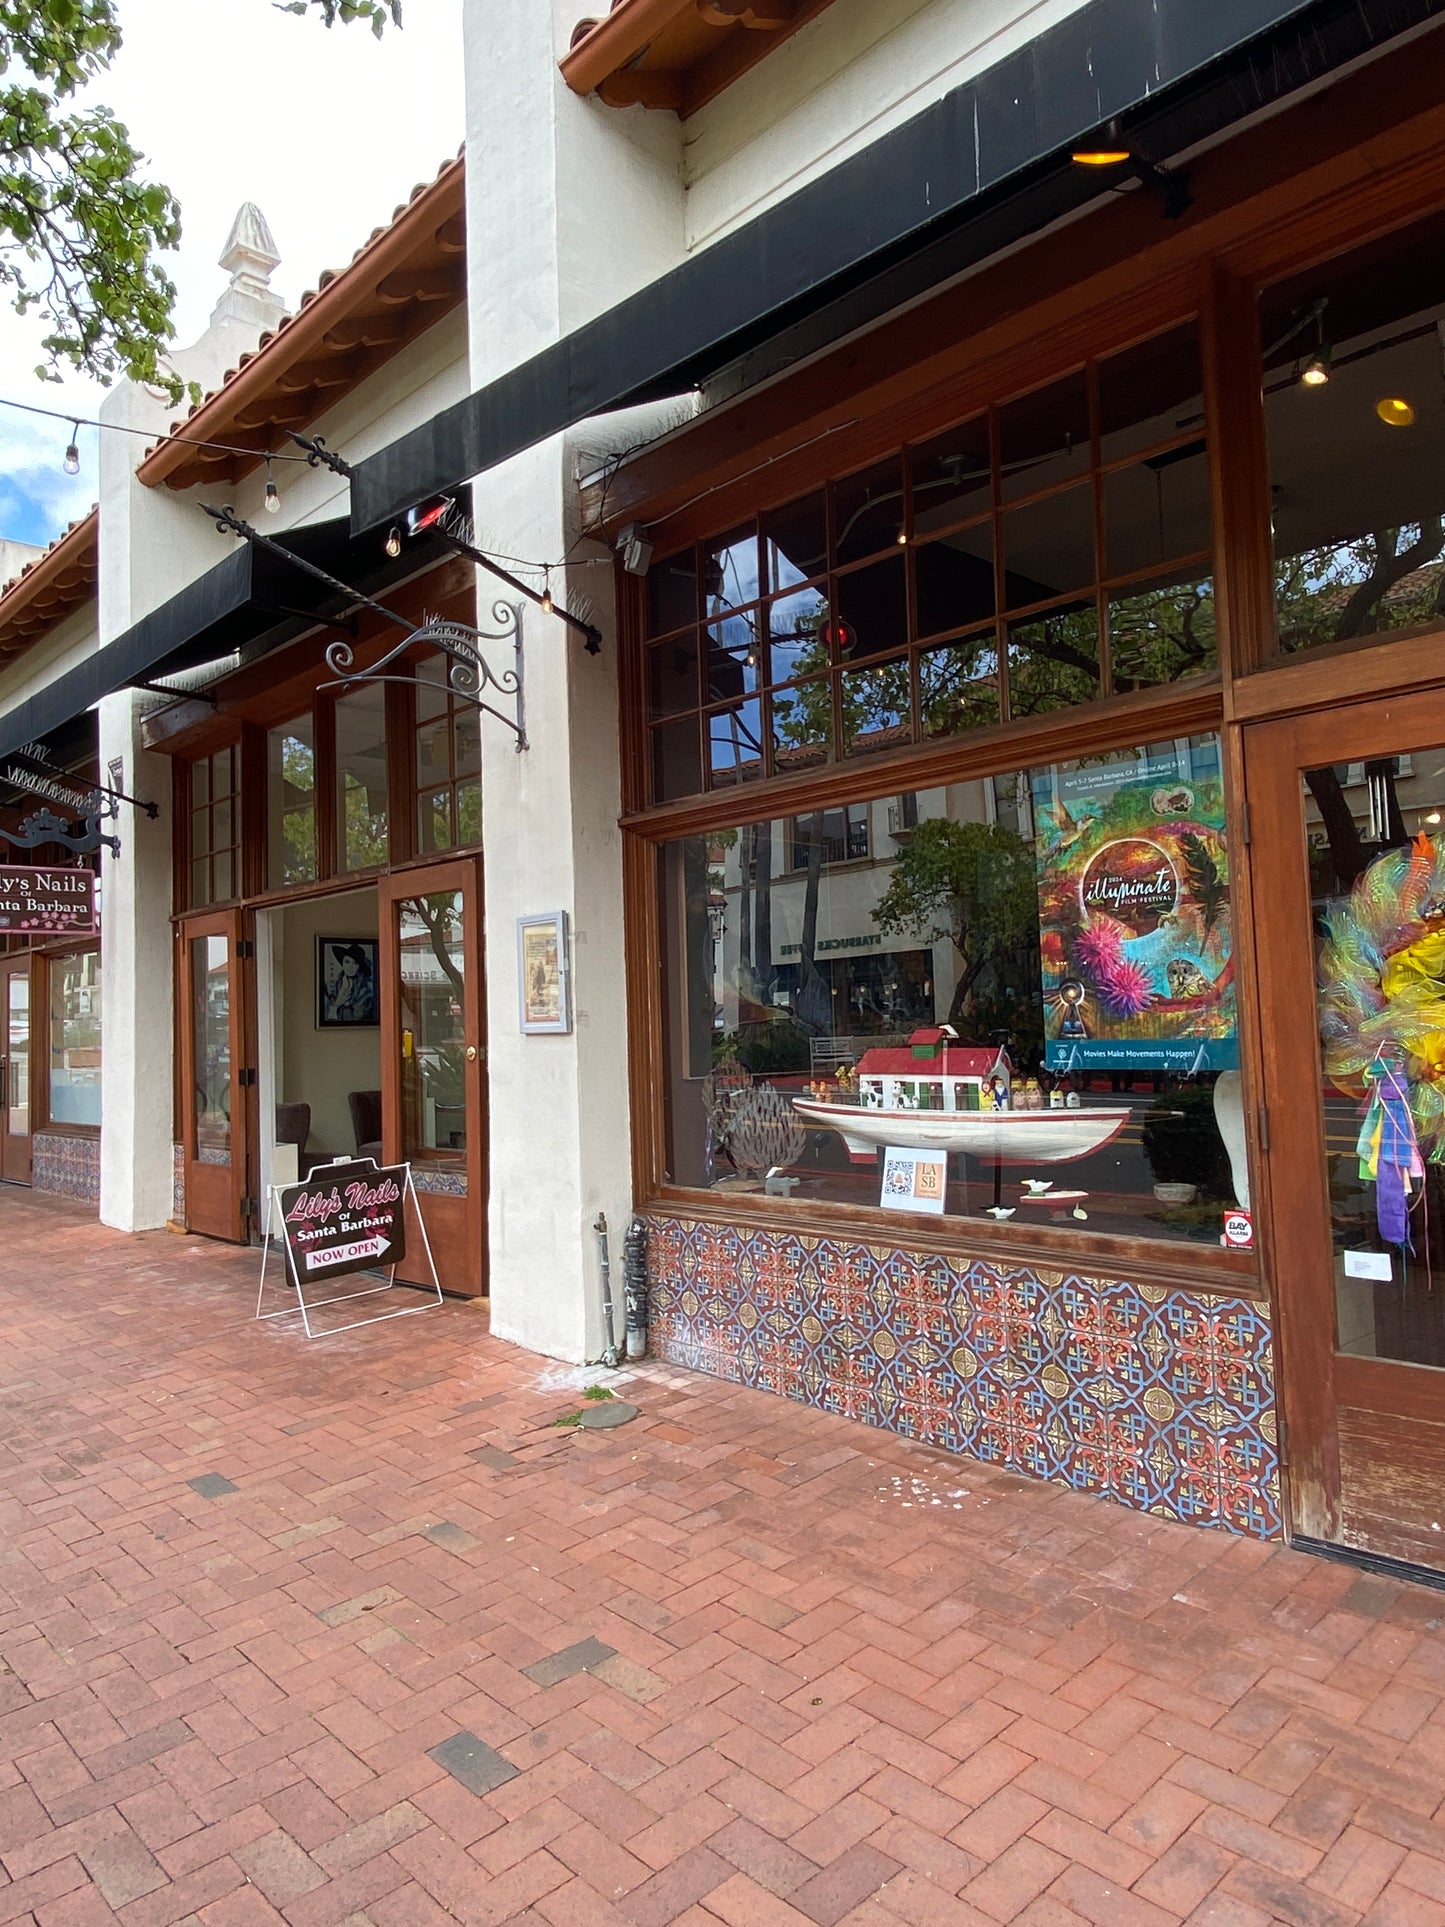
(1134, 912)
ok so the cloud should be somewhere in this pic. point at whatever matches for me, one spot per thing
(327, 131)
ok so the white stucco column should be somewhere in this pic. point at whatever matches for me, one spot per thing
(136, 971)
(570, 208)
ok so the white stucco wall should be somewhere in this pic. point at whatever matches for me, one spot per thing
(67, 645)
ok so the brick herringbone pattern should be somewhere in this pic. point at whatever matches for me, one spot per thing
(739, 1662)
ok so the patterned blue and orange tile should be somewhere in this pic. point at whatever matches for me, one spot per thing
(1160, 1399)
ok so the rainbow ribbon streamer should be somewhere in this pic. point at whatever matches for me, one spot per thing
(1390, 1152)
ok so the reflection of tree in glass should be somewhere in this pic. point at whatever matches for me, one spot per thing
(1383, 580)
(1157, 635)
(973, 883)
(1053, 661)
(1392, 578)
(366, 841)
(298, 816)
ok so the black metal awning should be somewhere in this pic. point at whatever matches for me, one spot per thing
(251, 601)
(984, 167)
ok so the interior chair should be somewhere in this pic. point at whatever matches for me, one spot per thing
(293, 1124)
(365, 1109)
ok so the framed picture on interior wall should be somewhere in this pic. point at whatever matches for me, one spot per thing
(346, 993)
(542, 972)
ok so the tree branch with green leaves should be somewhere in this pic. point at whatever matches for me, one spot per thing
(80, 224)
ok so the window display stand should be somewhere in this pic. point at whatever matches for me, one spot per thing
(273, 1205)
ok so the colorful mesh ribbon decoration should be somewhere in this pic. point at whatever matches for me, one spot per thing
(1389, 1151)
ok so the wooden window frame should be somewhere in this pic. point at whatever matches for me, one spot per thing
(991, 512)
(183, 815)
(1288, 196)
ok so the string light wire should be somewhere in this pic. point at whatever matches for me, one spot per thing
(148, 434)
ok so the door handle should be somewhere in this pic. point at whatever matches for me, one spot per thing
(471, 1053)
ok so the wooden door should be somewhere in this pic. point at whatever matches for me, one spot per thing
(216, 1086)
(433, 1063)
(16, 1071)
(1348, 814)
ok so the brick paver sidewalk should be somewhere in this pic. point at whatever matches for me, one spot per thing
(353, 1632)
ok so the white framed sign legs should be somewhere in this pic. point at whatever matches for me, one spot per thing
(345, 1218)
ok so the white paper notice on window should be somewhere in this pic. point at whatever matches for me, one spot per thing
(1370, 1264)
(914, 1180)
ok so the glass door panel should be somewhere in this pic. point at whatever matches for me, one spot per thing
(433, 1060)
(211, 1044)
(15, 1073)
(214, 1087)
(433, 1037)
(1377, 888)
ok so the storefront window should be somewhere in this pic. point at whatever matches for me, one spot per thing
(361, 813)
(215, 827)
(291, 802)
(1356, 419)
(75, 1039)
(448, 761)
(1024, 982)
(1034, 557)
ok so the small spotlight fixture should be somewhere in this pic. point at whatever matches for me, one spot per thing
(1395, 412)
(1315, 373)
(903, 538)
(272, 499)
(72, 453)
(1433, 817)
(392, 544)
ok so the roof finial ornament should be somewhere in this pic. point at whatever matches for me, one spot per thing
(250, 255)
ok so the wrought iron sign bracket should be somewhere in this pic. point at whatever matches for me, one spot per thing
(468, 671)
(83, 837)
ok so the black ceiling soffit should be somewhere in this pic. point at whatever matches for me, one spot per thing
(984, 167)
(251, 601)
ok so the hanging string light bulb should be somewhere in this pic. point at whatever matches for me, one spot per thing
(547, 603)
(272, 501)
(72, 453)
(393, 542)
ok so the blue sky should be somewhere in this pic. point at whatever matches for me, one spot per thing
(232, 101)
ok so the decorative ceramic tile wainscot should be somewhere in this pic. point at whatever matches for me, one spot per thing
(1160, 1399)
(68, 1167)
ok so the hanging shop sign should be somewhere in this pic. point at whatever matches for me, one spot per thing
(345, 1218)
(1134, 912)
(47, 902)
